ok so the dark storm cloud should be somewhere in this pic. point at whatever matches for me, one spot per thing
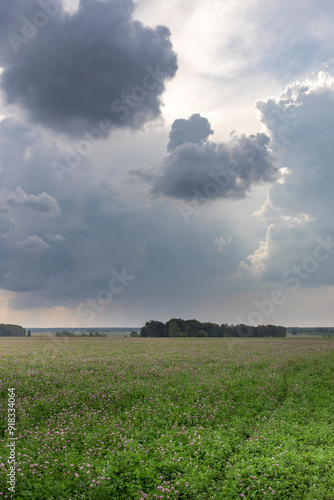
(72, 71)
(196, 166)
(60, 242)
(196, 129)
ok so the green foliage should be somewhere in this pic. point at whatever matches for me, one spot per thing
(97, 334)
(202, 333)
(174, 329)
(12, 331)
(193, 328)
(320, 331)
(154, 329)
(69, 333)
(65, 333)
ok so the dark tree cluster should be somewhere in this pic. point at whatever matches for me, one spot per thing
(69, 333)
(12, 331)
(177, 327)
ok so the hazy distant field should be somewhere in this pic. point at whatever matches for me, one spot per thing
(170, 418)
(53, 334)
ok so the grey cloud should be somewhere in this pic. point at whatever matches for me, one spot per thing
(55, 238)
(32, 245)
(299, 210)
(102, 224)
(59, 241)
(193, 166)
(196, 130)
(97, 63)
(43, 203)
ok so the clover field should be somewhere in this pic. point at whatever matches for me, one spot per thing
(137, 419)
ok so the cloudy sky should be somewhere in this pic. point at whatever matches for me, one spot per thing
(166, 159)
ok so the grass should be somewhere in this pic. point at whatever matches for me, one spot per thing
(170, 418)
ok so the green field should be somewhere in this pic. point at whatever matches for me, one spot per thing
(169, 418)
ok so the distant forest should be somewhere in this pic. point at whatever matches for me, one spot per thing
(106, 329)
(69, 333)
(320, 330)
(12, 331)
(193, 328)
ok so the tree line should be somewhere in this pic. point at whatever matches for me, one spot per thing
(177, 327)
(12, 330)
(320, 330)
(69, 333)
(104, 329)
